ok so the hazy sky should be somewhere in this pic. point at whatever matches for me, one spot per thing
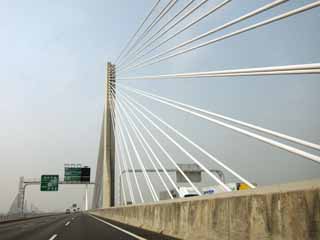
(52, 69)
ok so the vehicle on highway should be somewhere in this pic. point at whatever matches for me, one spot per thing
(183, 192)
(68, 211)
(187, 192)
(220, 189)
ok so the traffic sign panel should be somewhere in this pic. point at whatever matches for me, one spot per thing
(72, 174)
(76, 174)
(49, 183)
(85, 174)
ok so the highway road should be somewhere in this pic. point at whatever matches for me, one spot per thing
(77, 226)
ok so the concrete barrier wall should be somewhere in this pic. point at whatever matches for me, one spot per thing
(290, 211)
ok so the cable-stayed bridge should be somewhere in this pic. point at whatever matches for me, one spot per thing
(162, 173)
(133, 135)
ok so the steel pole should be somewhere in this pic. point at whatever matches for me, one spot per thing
(86, 198)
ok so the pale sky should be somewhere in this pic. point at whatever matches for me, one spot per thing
(52, 69)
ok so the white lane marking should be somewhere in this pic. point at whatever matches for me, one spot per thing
(67, 223)
(120, 229)
(53, 236)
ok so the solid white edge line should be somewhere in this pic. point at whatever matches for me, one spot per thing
(53, 236)
(118, 228)
(67, 223)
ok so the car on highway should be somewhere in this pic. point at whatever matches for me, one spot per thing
(68, 211)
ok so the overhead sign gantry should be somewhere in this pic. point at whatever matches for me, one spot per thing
(74, 174)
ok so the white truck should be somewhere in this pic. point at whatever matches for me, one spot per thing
(190, 192)
(220, 189)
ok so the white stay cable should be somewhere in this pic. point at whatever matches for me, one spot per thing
(193, 144)
(122, 185)
(118, 157)
(237, 129)
(252, 126)
(116, 154)
(143, 142)
(149, 183)
(203, 16)
(154, 194)
(214, 30)
(180, 147)
(123, 139)
(226, 36)
(168, 156)
(188, 154)
(165, 25)
(127, 179)
(162, 13)
(123, 159)
(139, 28)
(146, 45)
(149, 147)
(312, 68)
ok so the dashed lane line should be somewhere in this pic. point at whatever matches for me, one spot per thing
(53, 237)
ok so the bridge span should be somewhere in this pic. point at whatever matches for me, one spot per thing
(135, 134)
(288, 211)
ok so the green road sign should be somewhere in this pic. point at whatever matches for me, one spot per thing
(49, 183)
(72, 174)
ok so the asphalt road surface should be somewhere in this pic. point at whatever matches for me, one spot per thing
(77, 226)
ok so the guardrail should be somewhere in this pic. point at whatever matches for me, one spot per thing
(19, 217)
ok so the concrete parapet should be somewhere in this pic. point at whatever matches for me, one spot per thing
(287, 211)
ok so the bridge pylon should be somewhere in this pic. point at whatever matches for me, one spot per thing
(105, 183)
